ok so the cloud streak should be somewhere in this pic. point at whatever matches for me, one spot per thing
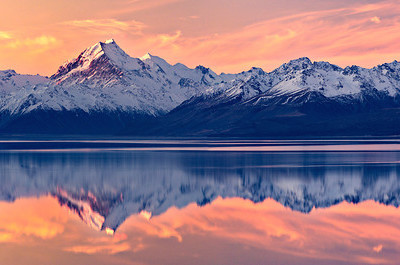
(133, 6)
(5, 35)
(109, 26)
(41, 41)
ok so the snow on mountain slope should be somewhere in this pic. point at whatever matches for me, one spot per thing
(101, 61)
(104, 78)
(10, 80)
(182, 74)
(303, 76)
(17, 89)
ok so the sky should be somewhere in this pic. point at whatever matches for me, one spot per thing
(37, 36)
(225, 230)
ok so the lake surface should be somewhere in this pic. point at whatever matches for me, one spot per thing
(199, 201)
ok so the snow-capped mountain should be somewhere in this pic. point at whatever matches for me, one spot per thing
(104, 77)
(304, 76)
(103, 83)
(104, 90)
(112, 80)
(299, 98)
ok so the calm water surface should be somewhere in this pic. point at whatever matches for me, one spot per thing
(199, 202)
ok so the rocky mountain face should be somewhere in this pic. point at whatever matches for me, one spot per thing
(105, 91)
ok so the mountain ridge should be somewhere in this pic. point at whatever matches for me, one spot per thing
(104, 81)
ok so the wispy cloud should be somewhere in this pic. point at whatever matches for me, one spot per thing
(193, 17)
(5, 35)
(109, 26)
(168, 39)
(41, 41)
(376, 20)
(132, 6)
(378, 248)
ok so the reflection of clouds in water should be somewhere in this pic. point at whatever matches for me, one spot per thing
(105, 244)
(36, 218)
(345, 233)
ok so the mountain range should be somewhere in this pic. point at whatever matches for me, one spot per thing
(105, 91)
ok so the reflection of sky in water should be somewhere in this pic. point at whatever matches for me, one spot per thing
(227, 230)
(256, 207)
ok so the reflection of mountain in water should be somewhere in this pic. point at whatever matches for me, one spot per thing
(105, 188)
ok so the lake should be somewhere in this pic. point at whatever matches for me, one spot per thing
(69, 201)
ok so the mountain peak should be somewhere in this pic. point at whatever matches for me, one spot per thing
(294, 65)
(8, 72)
(108, 47)
(109, 41)
(147, 56)
(299, 61)
(204, 70)
(157, 62)
(97, 56)
(118, 56)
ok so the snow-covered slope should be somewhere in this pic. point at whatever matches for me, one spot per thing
(10, 80)
(17, 89)
(303, 76)
(114, 80)
(105, 78)
(300, 98)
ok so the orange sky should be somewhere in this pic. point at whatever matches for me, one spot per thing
(225, 230)
(226, 35)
